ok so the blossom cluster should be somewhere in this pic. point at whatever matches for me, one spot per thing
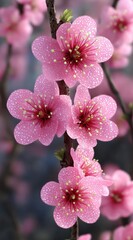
(74, 56)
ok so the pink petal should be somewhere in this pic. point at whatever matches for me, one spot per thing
(16, 101)
(85, 140)
(45, 87)
(87, 152)
(125, 6)
(107, 105)
(48, 132)
(62, 34)
(64, 217)
(121, 179)
(25, 132)
(92, 76)
(118, 233)
(85, 237)
(63, 106)
(85, 25)
(108, 132)
(104, 49)
(50, 193)
(89, 215)
(46, 50)
(54, 72)
(82, 95)
(68, 177)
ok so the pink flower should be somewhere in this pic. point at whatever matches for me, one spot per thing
(34, 10)
(85, 237)
(73, 197)
(84, 162)
(119, 202)
(106, 236)
(90, 118)
(124, 233)
(120, 56)
(42, 113)
(117, 24)
(14, 27)
(75, 55)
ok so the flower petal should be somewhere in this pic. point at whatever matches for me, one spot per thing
(64, 217)
(68, 177)
(108, 132)
(54, 72)
(91, 77)
(16, 102)
(82, 95)
(104, 49)
(63, 106)
(46, 87)
(48, 132)
(85, 25)
(62, 34)
(46, 50)
(107, 105)
(50, 193)
(26, 132)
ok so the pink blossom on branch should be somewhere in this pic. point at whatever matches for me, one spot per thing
(75, 55)
(42, 113)
(34, 10)
(119, 202)
(74, 196)
(90, 119)
(123, 233)
(117, 23)
(14, 27)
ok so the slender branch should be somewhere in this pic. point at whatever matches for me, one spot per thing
(128, 115)
(74, 231)
(67, 160)
(115, 3)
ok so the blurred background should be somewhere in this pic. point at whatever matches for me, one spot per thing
(25, 169)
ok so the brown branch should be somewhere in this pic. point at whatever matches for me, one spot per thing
(67, 160)
(115, 3)
(127, 114)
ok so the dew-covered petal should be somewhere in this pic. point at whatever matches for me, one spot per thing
(104, 49)
(91, 77)
(82, 95)
(63, 104)
(107, 105)
(48, 132)
(16, 102)
(86, 140)
(46, 49)
(84, 25)
(68, 177)
(54, 72)
(50, 193)
(86, 152)
(64, 217)
(26, 132)
(108, 132)
(89, 215)
(45, 87)
(62, 34)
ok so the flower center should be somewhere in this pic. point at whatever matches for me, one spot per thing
(90, 117)
(36, 110)
(119, 24)
(78, 51)
(116, 197)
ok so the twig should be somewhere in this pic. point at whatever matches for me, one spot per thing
(127, 114)
(115, 3)
(67, 160)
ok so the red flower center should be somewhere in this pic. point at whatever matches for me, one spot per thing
(37, 111)
(90, 117)
(116, 197)
(120, 23)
